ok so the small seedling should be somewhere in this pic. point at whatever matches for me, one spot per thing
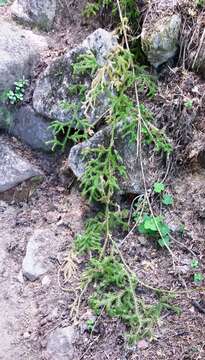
(167, 199)
(198, 278)
(90, 325)
(17, 95)
(155, 227)
(188, 104)
(3, 2)
(159, 187)
(200, 3)
(181, 229)
(194, 264)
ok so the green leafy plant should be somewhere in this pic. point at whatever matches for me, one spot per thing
(194, 263)
(85, 64)
(99, 182)
(181, 229)
(167, 200)
(91, 9)
(156, 228)
(17, 95)
(75, 130)
(77, 89)
(90, 325)
(115, 293)
(198, 278)
(112, 283)
(200, 3)
(188, 104)
(159, 187)
(129, 8)
(95, 229)
(3, 2)
(90, 240)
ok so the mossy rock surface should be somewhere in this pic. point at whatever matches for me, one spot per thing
(53, 85)
(40, 13)
(160, 39)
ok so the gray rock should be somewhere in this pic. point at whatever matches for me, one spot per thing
(14, 169)
(101, 43)
(6, 116)
(31, 129)
(132, 183)
(39, 13)
(60, 344)
(53, 85)
(160, 32)
(39, 248)
(20, 52)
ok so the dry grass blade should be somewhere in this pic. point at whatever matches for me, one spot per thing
(69, 266)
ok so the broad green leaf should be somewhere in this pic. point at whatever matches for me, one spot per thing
(159, 187)
(167, 199)
(198, 277)
(165, 241)
(194, 263)
(150, 224)
(164, 229)
(3, 2)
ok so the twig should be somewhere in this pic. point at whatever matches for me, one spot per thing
(200, 308)
(77, 302)
(182, 245)
(132, 206)
(88, 348)
(127, 236)
(134, 227)
(199, 49)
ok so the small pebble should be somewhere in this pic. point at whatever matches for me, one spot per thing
(26, 335)
(20, 277)
(142, 345)
(46, 281)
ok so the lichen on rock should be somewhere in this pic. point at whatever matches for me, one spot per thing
(40, 13)
(160, 34)
(52, 87)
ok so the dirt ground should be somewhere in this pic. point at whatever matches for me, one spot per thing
(30, 311)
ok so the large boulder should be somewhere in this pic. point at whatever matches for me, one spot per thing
(39, 13)
(160, 32)
(54, 85)
(132, 183)
(14, 169)
(20, 51)
(31, 129)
